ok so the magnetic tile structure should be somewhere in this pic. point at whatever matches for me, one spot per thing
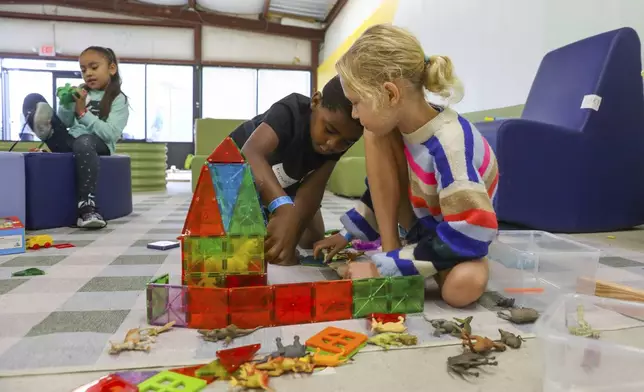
(223, 236)
(224, 277)
(282, 304)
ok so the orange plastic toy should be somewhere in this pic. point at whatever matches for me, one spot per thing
(336, 340)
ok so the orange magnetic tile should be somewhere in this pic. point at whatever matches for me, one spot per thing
(333, 300)
(293, 303)
(251, 307)
(204, 218)
(334, 340)
(207, 307)
(226, 152)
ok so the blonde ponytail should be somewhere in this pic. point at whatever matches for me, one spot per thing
(440, 79)
(385, 53)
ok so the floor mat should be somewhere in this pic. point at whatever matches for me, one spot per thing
(94, 292)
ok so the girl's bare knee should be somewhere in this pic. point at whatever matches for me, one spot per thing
(465, 283)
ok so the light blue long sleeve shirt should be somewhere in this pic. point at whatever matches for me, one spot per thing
(110, 130)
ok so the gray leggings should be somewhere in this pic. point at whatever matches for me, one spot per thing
(86, 149)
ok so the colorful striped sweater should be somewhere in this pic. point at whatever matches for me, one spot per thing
(453, 176)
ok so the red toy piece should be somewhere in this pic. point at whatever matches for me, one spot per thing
(204, 218)
(233, 358)
(65, 245)
(112, 383)
(226, 152)
(384, 318)
(333, 300)
(293, 303)
(246, 280)
(190, 372)
(251, 307)
(207, 307)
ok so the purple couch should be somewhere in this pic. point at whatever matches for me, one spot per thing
(567, 169)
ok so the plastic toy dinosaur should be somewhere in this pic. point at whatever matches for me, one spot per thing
(454, 328)
(139, 339)
(461, 364)
(327, 360)
(275, 367)
(227, 334)
(249, 377)
(510, 339)
(242, 257)
(295, 350)
(520, 315)
(480, 344)
(583, 328)
(388, 339)
(397, 327)
(66, 94)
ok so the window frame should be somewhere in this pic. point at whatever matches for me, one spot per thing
(197, 87)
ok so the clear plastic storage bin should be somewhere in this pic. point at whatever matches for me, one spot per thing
(612, 363)
(535, 267)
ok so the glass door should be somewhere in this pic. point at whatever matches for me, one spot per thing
(62, 78)
(17, 85)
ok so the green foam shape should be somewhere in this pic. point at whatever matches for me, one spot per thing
(167, 381)
(247, 217)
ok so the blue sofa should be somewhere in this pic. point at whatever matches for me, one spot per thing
(564, 168)
(51, 189)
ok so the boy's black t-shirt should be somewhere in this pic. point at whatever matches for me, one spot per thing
(295, 157)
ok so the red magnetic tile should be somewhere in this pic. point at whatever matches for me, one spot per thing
(333, 300)
(65, 245)
(384, 318)
(246, 280)
(226, 152)
(207, 307)
(293, 303)
(112, 383)
(204, 218)
(233, 358)
(251, 307)
(190, 372)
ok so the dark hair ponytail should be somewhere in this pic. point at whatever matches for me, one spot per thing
(113, 89)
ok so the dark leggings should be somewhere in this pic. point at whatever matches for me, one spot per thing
(86, 148)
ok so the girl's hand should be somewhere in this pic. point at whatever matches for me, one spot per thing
(332, 245)
(80, 102)
(361, 270)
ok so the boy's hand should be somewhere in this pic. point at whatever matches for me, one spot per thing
(332, 245)
(361, 270)
(281, 238)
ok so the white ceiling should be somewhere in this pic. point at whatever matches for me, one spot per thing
(309, 9)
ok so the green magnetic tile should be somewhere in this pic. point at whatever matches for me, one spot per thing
(247, 219)
(167, 381)
(157, 301)
(407, 294)
(370, 287)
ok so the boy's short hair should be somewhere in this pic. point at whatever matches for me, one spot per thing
(333, 98)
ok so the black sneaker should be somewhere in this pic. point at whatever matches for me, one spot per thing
(88, 217)
(42, 120)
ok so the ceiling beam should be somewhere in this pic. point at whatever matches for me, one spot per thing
(337, 7)
(80, 19)
(183, 16)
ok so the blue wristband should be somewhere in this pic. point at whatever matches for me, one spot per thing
(346, 234)
(278, 202)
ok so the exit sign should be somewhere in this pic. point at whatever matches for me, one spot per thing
(47, 50)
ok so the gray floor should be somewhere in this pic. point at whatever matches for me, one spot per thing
(409, 370)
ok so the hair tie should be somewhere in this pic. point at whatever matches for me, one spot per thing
(426, 59)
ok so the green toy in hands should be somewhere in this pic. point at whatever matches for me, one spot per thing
(66, 94)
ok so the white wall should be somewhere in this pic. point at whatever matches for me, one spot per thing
(144, 41)
(230, 45)
(497, 45)
(348, 20)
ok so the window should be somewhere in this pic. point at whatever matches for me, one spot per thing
(133, 78)
(19, 84)
(229, 93)
(169, 110)
(273, 85)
